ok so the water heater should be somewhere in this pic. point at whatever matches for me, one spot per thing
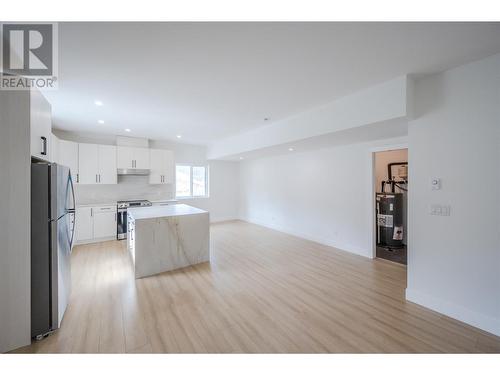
(390, 219)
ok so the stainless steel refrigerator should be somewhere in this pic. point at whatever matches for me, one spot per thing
(52, 233)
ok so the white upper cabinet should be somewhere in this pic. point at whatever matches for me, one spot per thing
(68, 156)
(96, 164)
(88, 163)
(124, 157)
(141, 157)
(107, 165)
(41, 126)
(132, 157)
(162, 167)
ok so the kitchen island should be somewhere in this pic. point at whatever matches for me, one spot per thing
(165, 238)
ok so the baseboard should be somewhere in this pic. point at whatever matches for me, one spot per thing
(95, 240)
(322, 241)
(222, 219)
(473, 318)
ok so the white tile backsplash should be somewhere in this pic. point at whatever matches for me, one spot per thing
(128, 187)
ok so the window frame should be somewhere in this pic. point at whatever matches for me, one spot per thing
(191, 166)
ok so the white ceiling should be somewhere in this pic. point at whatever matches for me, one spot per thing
(207, 81)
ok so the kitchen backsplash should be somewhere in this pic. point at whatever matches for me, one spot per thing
(128, 187)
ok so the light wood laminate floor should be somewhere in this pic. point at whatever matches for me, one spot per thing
(264, 291)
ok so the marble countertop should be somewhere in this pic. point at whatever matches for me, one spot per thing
(152, 212)
(165, 201)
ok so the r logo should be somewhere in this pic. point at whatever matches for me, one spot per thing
(27, 49)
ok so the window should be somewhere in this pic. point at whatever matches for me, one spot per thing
(191, 181)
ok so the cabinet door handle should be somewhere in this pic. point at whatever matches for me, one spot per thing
(99, 178)
(77, 178)
(44, 145)
(96, 179)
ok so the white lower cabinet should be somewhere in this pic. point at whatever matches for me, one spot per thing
(84, 230)
(104, 222)
(95, 223)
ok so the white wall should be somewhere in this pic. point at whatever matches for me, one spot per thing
(454, 262)
(15, 211)
(324, 195)
(224, 192)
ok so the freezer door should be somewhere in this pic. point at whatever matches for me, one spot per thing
(65, 193)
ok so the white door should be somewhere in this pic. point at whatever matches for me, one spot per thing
(84, 224)
(104, 224)
(157, 166)
(141, 157)
(125, 157)
(40, 125)
(107, 165)
(88, 163)
(68, 156)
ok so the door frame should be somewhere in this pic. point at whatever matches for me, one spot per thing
(373, 236)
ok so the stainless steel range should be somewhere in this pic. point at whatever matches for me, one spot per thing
(121, 222)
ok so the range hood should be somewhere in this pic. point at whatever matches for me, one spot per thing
(132, 172)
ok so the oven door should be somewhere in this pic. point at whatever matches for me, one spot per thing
(121, 223)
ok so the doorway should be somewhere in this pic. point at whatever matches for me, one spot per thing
(391, 204)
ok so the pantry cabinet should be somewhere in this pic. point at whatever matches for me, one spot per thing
(97, 164)
(54, 149)
(40, 126)
(162, 167)
(132, 157)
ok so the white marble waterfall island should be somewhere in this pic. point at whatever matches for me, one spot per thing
(164, 238)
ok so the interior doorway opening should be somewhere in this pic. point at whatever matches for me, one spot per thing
(391, 205)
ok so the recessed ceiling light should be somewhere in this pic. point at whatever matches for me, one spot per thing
(179, 136)
(98, 103)
(241, 157)
(290, 149)
(128, 130)
(100, 121)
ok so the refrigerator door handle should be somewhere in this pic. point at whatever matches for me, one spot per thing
(72, 211)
